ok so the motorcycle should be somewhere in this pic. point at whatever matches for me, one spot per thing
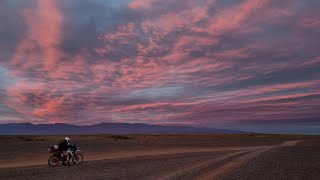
(73, 154)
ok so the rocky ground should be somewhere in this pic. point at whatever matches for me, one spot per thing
(300, 162)
(169, 157)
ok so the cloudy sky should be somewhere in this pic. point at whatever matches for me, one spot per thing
(239, 64)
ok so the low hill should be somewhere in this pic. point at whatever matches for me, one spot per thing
(105, 128)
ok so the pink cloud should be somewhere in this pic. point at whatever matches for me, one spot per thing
(191, 63)
(310, 22)
(44, 32)
(142, 4)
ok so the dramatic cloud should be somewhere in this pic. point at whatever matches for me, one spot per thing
(193, 62)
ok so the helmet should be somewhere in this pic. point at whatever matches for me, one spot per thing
(67, 139)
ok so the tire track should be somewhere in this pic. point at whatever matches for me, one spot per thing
(216, 173)
(127, 154)
(198, 166)
(245, 155)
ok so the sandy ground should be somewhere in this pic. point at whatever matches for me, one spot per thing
(300, 162)
(161, 158)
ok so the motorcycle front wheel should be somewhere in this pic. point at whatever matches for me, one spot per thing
(53, 161)
(77, 159)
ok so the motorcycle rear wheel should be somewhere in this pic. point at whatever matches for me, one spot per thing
(53, 161)
(77, 159)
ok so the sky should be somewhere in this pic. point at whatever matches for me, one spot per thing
(239, 64)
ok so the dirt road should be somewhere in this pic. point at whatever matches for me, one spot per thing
(177, 163)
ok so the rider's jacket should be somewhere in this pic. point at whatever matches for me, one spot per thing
(63, 145)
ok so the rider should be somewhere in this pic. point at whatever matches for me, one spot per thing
(64, 145)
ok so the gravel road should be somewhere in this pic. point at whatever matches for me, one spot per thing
(288, 160)
(301, 162)
(144, 167)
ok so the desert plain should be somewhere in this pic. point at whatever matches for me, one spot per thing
(234, 157)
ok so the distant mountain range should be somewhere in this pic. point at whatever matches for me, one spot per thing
(105, 128)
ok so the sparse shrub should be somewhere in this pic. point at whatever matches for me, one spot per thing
(24, 138)
(119, 137)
